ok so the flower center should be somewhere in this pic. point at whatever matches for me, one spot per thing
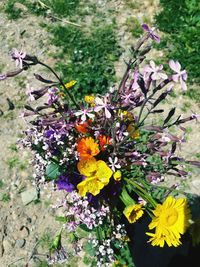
(89, 151)
(132, 215)
(169, 217)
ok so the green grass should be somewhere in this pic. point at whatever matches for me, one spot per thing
(89, 59)
(5, 197)
(87, 54)
(1, 184)
(14, 162)
(182, 34)
(57, 7)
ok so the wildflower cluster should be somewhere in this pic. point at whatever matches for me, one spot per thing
(107, 155)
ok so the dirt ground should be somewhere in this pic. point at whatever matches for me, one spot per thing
(23, 224)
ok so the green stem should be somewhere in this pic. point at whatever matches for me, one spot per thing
(144, 193)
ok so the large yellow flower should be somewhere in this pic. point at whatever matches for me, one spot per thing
(87, 167)
(159, 240)
(171, 220)
(133, 212)
(90, 185)
(97, 176)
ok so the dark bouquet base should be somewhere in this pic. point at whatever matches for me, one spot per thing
(145, 255)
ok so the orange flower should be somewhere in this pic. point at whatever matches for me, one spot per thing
(103, 141)
(87, 148)
(82, 127)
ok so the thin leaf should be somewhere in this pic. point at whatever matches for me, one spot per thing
(41, 79)
(169, 116)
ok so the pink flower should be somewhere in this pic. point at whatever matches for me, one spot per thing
(155, 71)
(181, 75)
(154, 37)
(18, 56)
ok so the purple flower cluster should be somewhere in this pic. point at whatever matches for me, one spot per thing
(78, 211)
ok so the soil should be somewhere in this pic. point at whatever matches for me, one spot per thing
(23, 225)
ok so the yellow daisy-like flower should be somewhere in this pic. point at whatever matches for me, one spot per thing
(97, 176)
(159, 240)
(133, 212)
(171, 220)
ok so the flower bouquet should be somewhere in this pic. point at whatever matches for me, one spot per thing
(111, 157)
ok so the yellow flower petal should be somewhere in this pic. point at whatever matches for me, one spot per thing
(87, 167)
(103, 172)
(117, 176)
(170, 221)
(133, 212)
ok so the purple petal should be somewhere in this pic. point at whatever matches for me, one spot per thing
(175, 77)
(155, 38)
(145, 27)
(3, 77)
(64, 184)
(184, 75)
(183, 84)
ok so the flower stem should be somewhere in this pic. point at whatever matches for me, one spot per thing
(141, 190)
(61, 82)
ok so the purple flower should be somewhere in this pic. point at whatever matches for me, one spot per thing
(181, 75)
(3, 77)
(64, 184)
(52, 95)
(18, 56)
(153, 36)
(155, 71)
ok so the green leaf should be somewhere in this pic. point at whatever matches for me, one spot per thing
(61, 219)
(52, 171)
(85, 228)
(88, 247)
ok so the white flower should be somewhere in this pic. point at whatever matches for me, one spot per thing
(84, 114)
(113, 163)
(100, 104)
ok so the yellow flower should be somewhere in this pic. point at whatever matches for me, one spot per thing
(195, 232)
(133, 212)
(89, 99)
(127, 115)
(87, 167)
(90, 185)
(70, 84)
(97, 176)
(133, 132)
(159, 240)
(171, 220)
(117, 176)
